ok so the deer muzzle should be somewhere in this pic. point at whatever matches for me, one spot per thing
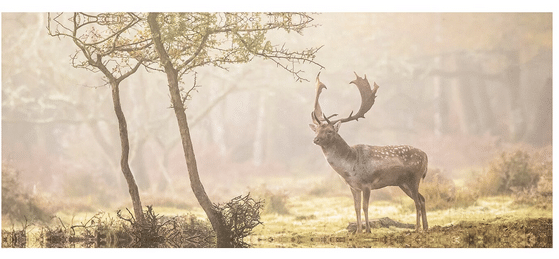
(316, 141)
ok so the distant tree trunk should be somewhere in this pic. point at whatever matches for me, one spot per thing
(467, 92)
(259, 140)
(107, 148)
(512, 81)
(542, 131)
(439, 89)
(222, 234)
(487, 115)
(217, 129)
(166, 182)
(137, 161)
(125, 146)
(437, 85)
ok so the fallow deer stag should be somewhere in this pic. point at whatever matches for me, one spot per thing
(363, 167)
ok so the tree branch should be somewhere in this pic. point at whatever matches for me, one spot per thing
(276, 55)
(196, 53)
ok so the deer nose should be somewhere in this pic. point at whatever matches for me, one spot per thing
(316, 141)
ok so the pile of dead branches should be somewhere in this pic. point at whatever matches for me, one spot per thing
(240, 215)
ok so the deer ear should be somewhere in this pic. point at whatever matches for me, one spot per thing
(337, 125)
(313, 127)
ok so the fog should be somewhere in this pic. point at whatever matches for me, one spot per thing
(460, 86)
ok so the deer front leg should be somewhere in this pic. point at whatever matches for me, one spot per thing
(366, 195)
(357, 204)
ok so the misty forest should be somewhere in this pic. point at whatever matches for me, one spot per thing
(192, 129)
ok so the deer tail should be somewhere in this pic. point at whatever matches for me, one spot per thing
(425, 162)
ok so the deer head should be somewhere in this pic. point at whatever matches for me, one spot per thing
(367, 100)
(326, 133)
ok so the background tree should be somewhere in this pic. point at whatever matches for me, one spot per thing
(186, 41)
(105, 46)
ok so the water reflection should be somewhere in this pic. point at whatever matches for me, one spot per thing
(465, 241)
(529, 233)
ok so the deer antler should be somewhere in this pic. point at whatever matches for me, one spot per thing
(367, 100)
(317, 114)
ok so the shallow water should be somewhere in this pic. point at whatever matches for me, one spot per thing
(529, 233)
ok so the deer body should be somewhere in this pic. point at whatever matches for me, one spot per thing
(365, 168)
(374, 167)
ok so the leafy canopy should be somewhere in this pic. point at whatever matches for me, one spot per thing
(122, 41)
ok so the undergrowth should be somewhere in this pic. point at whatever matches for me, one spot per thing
(527, 176)
(18, 202)
(274, 201)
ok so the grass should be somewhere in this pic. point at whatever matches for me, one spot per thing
(324, 218)
(304, 218)
(322, 221)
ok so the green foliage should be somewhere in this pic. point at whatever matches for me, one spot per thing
(217, 39)
(17, 203)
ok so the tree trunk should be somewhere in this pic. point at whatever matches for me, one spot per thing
(439, 100)
(466, 90)
(258, 155)
(124, 143)
(512, 81)
(488, 118)
(437, 85)
(222, 235)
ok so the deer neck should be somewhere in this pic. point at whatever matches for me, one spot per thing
(340, 155)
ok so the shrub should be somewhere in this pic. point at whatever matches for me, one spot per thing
(274, 202)
(525, 175)
(540, 193)
(515, 172)
(85, 186)
(484, 183)
(17, 203)
(440, 192)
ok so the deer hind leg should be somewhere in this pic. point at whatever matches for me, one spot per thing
(357, 204)
(366, 196)
(414, 195)
(423, 213)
